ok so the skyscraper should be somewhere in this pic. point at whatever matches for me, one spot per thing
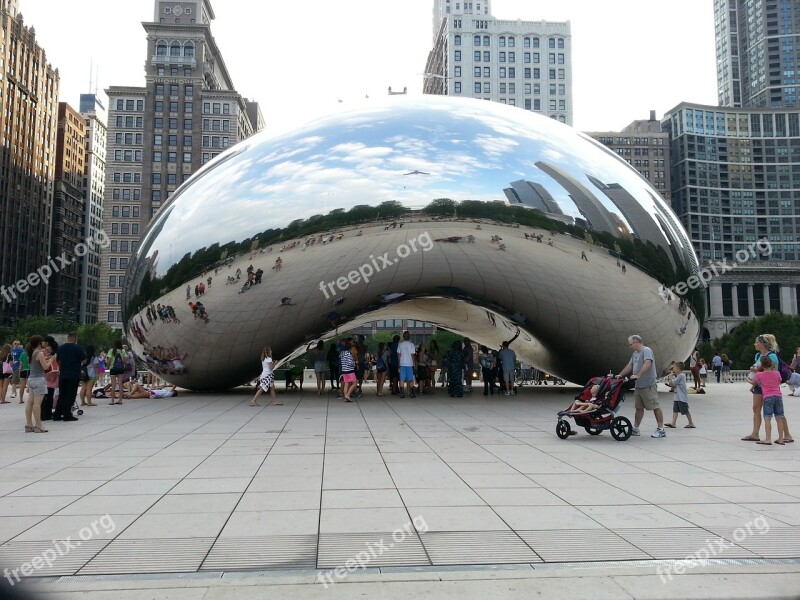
(521, 63)
(758, 52)
(68, 213)
(94, 113)
(158, 135)
(28, 123)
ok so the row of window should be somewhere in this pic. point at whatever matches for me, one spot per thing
(510, 41)
(216, 108)
(130, 122)
(116, 281)
(130, 105)
(174, 89)
(175, 48)
(173, 106)
(172, 157)
(125, 211)
(158, 123)
(125, 229)
(172, 140)
(173, 71)
(124, 246)
(172, 179)
(114, 264)
(126, 194)
(128, 139)
(128, 155)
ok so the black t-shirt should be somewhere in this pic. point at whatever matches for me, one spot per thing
(70, 356)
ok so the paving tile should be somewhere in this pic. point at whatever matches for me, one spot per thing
(271, 522)
(172, 526)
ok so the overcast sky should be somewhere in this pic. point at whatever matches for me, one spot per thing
(298, 58)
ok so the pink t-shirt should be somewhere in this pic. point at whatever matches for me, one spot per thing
(770, 382)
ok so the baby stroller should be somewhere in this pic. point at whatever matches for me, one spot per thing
(609, 398)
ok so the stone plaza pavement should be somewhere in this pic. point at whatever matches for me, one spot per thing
(432, 491)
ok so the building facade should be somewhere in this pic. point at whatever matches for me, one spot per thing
(645, 146)
(758, 52)
(520, 63)
(68, 214)
(93, 112)
(736, 188)
(28, 130)
(160, 134)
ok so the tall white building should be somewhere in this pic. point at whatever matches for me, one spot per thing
(521, 63)
(94, 113)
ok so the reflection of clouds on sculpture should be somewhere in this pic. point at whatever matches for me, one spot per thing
(349, 186)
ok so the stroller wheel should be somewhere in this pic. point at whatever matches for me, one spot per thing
(621, 429)
(563, 429)
(80, 411)
(593, 430)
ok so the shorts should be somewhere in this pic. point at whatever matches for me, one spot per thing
(757, 391)
(320, 367)
(680, 407)
(4, 376)
(773, 406)
(116, 372)
(24, 374)
(508, 376)
(646, 398)
(406, 373)
(266, 382)
(349, 377)
(37, 386)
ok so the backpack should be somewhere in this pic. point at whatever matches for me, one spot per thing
(118, 364)
(784, 370)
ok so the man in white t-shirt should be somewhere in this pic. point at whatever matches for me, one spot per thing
(407, 355)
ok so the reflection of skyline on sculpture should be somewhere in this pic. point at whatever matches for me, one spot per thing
(310, 172)
(460, 169)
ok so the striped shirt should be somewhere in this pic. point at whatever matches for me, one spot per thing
(346, 362)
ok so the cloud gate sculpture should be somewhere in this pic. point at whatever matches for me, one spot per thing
(487, 220)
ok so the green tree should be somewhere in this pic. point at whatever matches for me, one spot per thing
(100, 335)
(441, 206)
(738, 344)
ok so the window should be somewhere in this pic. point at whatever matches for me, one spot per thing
(552, 73)
(156, 178)
(173, 123)
(457, 40)
(161, 49)
(476, 41)
(487, 71)
(171, 177)
(159, 106)
(134, 230)
(110, 316)
(156, 156)
(123, 246)
(187, 140)
(551, 43)
(156, 196)
(560, 42)
(501, 41)
(551, 58)
(527, 104)
(502, 57)
(114, 246)
(173, 107)
(535, 42)
(173, 89)
(486, 87)
(187, 107)
(126, 211)
(159, 89)
(510, 41)
(457, 71)
(115, 211)
(502, 72)
(512, 72)
(112, 300)
(123, 263)
(477, 72)
(158, 123)
(561, 58)
(477, 87)
(160, 70)
(173, 140)
(174, 49)
(487, 56)
(457, 87)
(537, 104)
(477, 57)
(526, 42)
(187, 157)
(172, 157)
(158, 139)
(512, 57)
(188, 49)
(457, 55)
(486, 40)
(115, 228)
(187, 124)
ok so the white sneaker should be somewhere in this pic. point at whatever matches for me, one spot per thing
(635, 431)
(659, 433)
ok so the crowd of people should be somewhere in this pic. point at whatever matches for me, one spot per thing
(55, 377)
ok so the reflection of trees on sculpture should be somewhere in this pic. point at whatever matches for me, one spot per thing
(644, 254)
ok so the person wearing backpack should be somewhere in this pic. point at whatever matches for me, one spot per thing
(117, 359)
(765, 345)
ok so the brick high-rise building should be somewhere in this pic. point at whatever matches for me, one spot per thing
(68, 207)
(28, 123)
(160, 134)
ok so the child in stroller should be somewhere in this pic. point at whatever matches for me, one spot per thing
(595, 409)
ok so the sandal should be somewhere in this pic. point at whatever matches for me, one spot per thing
(254, 404)
(39, 430)
(764, 443)
(670, 425)
(779, 443)
(28, 429)
(689, 427)
(750, 438)
(788, 441)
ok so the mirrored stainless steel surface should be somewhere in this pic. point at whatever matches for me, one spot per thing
(464, 213)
